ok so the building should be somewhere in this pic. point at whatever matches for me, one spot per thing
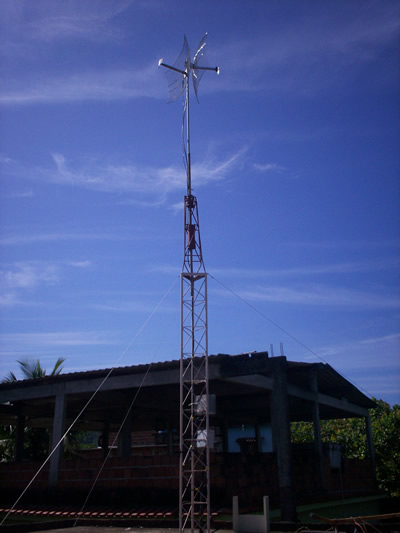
(253, 400)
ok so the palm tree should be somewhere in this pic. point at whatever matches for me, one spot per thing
(32, 369)
(36, 439)
(10, 377)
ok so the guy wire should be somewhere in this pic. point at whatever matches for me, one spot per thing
(283, 330)
(117, 435)
(89, 401)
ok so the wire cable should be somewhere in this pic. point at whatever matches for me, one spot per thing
(184, 150)
(89, 401)
(275, 324)
(116, 436)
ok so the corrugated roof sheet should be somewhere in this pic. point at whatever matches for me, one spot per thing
(330, 382)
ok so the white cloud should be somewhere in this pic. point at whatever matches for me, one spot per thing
(310, 51)
(319, 295)
(302, 57)
(131, 307)
(372, 364)
(149, 186)
(306, 54)
(91, 27)
(59, 338)
(43, 21)
(115, 84)
(176, 208)
(27, 275)
(375, 352)
(12, 195)
(117, 178)
(395, 337)
(308, 270)
(25, 278)
(347, 244)
(212, 169)
(9, 299)
(80, 264)
(266, 167)
(15, 239)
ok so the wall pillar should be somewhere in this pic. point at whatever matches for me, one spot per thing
(170, 440)
(258, 438)
(317, 427)
(57, 447)
(282, 443)
(105, 438)
(124, 438)
(225, 435)
(19, 438)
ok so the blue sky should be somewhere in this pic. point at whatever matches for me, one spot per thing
(295, 164)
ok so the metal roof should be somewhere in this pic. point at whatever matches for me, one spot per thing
(243, 384)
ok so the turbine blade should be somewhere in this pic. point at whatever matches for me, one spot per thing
(199, 60)
(176, 76)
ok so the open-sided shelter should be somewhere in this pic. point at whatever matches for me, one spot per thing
(253, 400)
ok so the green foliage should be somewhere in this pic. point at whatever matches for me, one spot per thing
(71, 445)
(36, 440)
(386, 433)
(87, 440)
(6, 443)
(9, 377)
(75, 441)
(36, 443)
(32, 369)
(350, 433)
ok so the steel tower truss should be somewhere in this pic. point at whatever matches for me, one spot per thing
(194, 411)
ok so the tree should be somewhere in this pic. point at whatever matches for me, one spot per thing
(36, 440)
(32, 369)
(350, 434)
(6, 443)
(385, 423)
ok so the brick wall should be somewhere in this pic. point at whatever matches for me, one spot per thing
(249, 476)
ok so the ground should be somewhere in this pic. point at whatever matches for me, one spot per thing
(94, 529)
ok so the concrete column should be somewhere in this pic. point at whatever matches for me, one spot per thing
(273, 423)
(19, 439)
(281, 432)
(225, 435)
(258, 438)
(317, 429)
(105, 438)
(317, 426)
(170, 440)
(124, 439)
(57, 447)
(370, 444)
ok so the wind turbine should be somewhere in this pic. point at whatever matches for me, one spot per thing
(194, 430)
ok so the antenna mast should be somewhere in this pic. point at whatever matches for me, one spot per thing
(194, 445)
